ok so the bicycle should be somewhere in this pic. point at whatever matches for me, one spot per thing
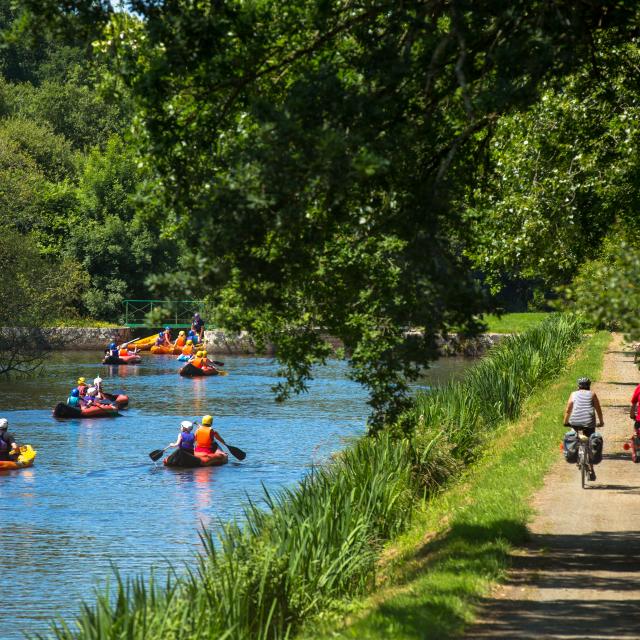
(584, 457)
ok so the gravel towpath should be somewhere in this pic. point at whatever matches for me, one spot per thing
(580, 575)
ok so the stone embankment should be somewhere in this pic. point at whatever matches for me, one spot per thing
(222, 342)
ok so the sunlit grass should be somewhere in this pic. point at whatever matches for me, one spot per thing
(514, 322)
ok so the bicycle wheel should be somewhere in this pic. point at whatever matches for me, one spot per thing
(583, 473)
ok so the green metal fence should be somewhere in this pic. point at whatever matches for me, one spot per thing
(176, 314)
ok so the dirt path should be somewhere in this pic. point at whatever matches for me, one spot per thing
(580, 575)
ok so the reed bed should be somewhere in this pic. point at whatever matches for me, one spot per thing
(317, 543)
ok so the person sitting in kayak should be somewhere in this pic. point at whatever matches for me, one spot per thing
(82, 386)
(97, 383)
(8, 447)
(198, 361)
(112, 350)
(180, 340)
(187, 350)
(123, 350)
(186, 439)
(193, 336)
(208, 363)
(206, 437)
(74, 399)
(197, 326)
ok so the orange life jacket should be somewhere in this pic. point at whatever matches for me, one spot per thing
(188, 350)
(124, 352)
(204, 439)
(180, 342)
(197, 362)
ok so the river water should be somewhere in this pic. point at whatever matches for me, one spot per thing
(94, 500)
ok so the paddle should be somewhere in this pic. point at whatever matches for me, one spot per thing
(236, 453)
(156, 454)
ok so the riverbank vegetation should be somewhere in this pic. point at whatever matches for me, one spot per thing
(460, 542)
(318, 543)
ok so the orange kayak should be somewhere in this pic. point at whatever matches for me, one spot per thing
(184, 460)
(25, 459)
(166, 350)
(143, 344)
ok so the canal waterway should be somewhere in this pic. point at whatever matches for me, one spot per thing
(94, 501)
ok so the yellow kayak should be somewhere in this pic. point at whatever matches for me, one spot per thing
(25, 459)
(143, 344)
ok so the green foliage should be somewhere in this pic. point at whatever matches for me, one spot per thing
(318, 543)
(560, 174)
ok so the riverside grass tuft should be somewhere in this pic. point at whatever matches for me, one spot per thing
(319, 542)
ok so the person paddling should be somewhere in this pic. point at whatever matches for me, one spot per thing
(82, 386)
(205, 439)
(186, 439)
(8, 447)
(74, 399)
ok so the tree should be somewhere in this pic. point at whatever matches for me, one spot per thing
(317, 152)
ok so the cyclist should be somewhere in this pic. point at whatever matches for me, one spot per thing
(580, 413)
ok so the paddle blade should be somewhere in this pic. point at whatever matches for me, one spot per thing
(156, 455)
(218, 363)
(236, 453)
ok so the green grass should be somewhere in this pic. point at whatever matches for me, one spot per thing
(82, 323)
(429, 589)
(514, 322)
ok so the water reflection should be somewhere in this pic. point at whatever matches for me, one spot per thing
(94, 498)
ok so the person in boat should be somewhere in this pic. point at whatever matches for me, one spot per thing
(198, 360)
(186, 439)
(74, 398)
(205, 438)
(197, 326)
(82, 386)
(207, 362)
(193, 336)
(97, 383)
(180, 340)
(187, 350)
(8, 447)
(113, 350)
(123, 350)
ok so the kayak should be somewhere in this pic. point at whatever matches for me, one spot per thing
(133, 359)
(143, 344)
(189, 371)
(120, 399)
(164, 350)
(25, 459)
(185, 460)
(184, 358)
(62, 410)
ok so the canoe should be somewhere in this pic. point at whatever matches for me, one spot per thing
(164, 350)
(120, 399)
(189, 371)
(25, 459)
(62, 410)
(133, 359)
(144, 344)
(184, 460)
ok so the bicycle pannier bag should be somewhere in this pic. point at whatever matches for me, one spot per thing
(570, 448)
(596, 444)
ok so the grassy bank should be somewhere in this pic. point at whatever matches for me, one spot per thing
(318, 544)
(459, 544)
(515, 322)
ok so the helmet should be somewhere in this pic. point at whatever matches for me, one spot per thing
(181, 333)
(97, 381)
(75, 393)
(81, 381)
(167, 328)
(204, 354)
(189, 341)
(4, 423)
(584, 383)
(199, 354)
(186, 425)
(196, 315)
(207, 421)
(113, 345)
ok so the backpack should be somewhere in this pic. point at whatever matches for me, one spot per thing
(570, 447)
(596, 444)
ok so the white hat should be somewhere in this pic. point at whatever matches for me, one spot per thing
(186, 425)
(4, 423)
(97, 381)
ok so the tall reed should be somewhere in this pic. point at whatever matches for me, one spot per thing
(319, 541)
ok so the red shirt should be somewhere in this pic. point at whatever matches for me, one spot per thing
(635, 399)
